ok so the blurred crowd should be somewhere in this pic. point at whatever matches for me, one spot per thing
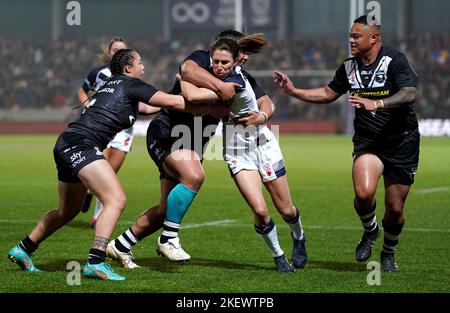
(42, 74)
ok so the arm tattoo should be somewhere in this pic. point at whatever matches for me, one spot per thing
(314, 97)
(100, 243)
(405, 95)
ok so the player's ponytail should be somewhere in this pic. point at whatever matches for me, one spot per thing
(121, 58)
(252, 44)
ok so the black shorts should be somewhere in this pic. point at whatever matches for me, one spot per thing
(161, 143)
(72, 152)
(399, 154)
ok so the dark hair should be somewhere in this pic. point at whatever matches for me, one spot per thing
(252, 44)
(229, 33)
(366, 20)
(105, 57)
(226, 44)
(121, 58)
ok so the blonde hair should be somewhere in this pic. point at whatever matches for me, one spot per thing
(104, 56)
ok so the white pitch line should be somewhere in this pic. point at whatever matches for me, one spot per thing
(431, 190)
(214, 223)
(230, 223)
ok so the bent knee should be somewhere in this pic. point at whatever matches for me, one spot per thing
(365, 194)
(118, 202)
(194, 181)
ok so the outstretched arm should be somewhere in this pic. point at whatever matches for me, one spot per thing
(144, 108)
(195, 94)
(178, 103)
(318, 95)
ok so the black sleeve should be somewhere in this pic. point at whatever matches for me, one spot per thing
(138, 90)
(340, 84)
(258, 91)
(403, 73)
(201, 57)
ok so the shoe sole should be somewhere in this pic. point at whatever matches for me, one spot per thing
(176, 261)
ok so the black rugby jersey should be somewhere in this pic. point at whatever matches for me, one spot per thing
(203, 59)
(381, 79)
(113, 108)
(96, 78)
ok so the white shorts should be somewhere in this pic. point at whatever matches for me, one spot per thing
(264, 157)
(123, 140)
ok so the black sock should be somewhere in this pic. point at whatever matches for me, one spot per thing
(170, 230)
(126, 241)
(368, 218)
(28, 245)
(96, 256)
(391, 236)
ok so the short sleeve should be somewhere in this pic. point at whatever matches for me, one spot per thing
(138, 90)
(257, 90)
(402, 72)
(201, 57)
(340, 84)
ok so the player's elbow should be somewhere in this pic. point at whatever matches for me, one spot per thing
(187, 68)
(411, 94)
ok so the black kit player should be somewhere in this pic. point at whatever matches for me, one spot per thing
(383, 89)
(81, 163)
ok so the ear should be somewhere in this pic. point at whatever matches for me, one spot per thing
(127, 68)
(374, 38)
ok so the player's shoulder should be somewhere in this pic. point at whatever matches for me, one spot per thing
(199, 54)
(102, 68)
(391, 52)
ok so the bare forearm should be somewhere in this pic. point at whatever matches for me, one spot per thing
(200, 77)
(318, 95)
(83, 97)
(195, 94)
(266, 105)
(405, 95)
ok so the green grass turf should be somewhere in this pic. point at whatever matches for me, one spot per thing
(230, 257)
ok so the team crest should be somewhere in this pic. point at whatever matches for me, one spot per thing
(380, 77)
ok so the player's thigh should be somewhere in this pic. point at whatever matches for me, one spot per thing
(185, 165)
(115, 157)
(102, 181)
(366, 171)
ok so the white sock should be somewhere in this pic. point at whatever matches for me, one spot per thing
(98, 208)
(296, 226)
(270, 239)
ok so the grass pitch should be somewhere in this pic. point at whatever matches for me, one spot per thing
(227, 256)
